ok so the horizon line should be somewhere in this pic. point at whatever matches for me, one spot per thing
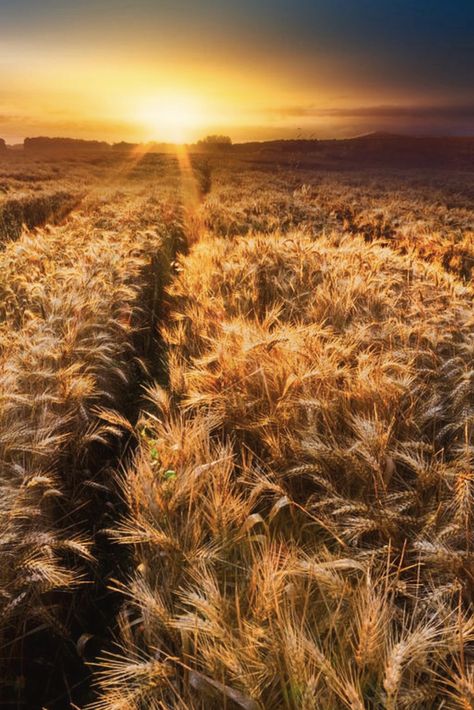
(296, 139)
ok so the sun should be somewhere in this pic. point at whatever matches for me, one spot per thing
(175, 119)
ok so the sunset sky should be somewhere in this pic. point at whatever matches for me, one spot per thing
(253, 69)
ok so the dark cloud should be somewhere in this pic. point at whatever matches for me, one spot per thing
(443, 112)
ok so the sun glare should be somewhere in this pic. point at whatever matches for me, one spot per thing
(174, 119)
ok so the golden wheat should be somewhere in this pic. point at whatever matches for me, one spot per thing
(298, 519)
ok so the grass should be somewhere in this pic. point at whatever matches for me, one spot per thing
(296, 504)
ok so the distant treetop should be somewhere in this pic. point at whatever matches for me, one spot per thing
(215, 141)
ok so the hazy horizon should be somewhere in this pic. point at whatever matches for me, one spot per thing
(19, 141)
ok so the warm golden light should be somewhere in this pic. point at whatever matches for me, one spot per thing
(175, 118)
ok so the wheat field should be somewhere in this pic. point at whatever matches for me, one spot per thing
(236, 441)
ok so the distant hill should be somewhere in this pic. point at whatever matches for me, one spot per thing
(377, 149)
(3, 146)
(64, 146)
(384, 149)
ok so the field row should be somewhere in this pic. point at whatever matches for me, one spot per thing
(76, 310)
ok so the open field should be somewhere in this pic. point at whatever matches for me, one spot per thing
(35, 192)
(236, 441)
